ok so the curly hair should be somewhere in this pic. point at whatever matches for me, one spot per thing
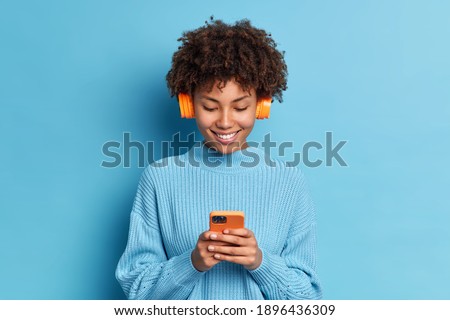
(218, 51)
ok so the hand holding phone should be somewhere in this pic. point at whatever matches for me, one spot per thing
(237, 245)
(202, 258)
(242, 246)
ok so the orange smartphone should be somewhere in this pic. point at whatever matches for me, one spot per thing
(226, 219)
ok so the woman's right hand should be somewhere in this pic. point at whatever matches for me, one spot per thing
(202, 259)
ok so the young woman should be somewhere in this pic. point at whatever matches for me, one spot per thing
(225, 76)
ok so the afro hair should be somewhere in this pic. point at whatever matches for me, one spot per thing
(220, 52)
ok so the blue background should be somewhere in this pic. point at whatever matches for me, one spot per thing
(74, 75)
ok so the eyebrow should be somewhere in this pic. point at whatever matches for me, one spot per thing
(235, 100)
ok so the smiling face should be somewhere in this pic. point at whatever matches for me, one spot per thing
(226, 116)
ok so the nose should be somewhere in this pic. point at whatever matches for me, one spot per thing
(225, 120)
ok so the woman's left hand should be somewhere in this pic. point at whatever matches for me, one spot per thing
(243, 248)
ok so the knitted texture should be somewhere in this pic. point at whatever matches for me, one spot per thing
(171, 209)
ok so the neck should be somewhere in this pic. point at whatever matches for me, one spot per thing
(239, 147)
(243, 160)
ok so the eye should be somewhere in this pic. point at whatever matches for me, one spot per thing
(208, 109)
(241, 109)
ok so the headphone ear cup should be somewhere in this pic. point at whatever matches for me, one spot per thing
(181, 104)
(186, 106)
(263, 108)
(190, 106)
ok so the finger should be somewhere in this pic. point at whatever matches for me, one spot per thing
(206, 243)
(235, 259)
(206, 235)
(232, 251)
(242, 232)
(217, 243)
(230, 239)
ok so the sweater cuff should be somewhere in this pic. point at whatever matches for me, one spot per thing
(185, 273)
(269, 270)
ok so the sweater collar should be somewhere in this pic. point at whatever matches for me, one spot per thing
(239, 161)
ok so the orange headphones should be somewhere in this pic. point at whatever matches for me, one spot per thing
(187, 107)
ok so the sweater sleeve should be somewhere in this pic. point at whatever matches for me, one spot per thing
(144, 271)
(292, 275)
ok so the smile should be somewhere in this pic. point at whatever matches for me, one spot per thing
(226, 137)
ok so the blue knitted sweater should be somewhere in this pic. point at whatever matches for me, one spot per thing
(171, 209)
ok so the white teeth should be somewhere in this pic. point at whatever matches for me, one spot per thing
(227, 136)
